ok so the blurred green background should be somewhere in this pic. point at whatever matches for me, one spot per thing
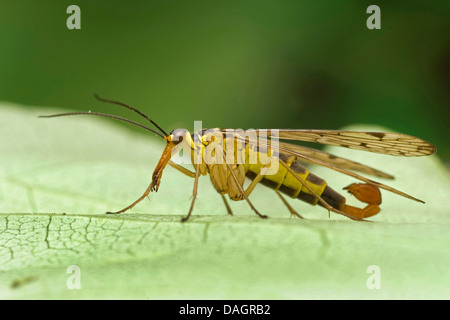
(241, 64)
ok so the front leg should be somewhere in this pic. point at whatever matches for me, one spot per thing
(146, 193)
(182, 169)
(156, 177)
(194, 191)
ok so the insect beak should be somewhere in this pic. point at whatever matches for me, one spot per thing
(163, 161)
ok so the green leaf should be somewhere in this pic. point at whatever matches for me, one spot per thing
(58, 177)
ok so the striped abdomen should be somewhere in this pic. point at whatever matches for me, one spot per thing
(285, 182)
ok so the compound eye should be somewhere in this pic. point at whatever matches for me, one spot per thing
(178, 135)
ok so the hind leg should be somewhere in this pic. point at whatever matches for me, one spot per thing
(292, 210)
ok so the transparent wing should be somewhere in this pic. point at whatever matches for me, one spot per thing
(262, 144)
(335, 160)
(395, 144)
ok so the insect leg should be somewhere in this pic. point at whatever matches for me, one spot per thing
(227, 205)
(257, 179)
(156, 177)
(182, 169)
(150, 187)
(192, 175)
(244, 194)
(325, 204)
(194, 192)
(293, 212)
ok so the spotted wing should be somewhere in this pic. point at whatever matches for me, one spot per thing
(262, 142)
(395, 144)
(335, 160)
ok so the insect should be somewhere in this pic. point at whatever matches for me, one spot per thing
(230, 156)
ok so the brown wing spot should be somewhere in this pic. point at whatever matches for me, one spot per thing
(379, 135)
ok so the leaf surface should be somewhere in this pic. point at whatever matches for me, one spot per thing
(58, 177)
